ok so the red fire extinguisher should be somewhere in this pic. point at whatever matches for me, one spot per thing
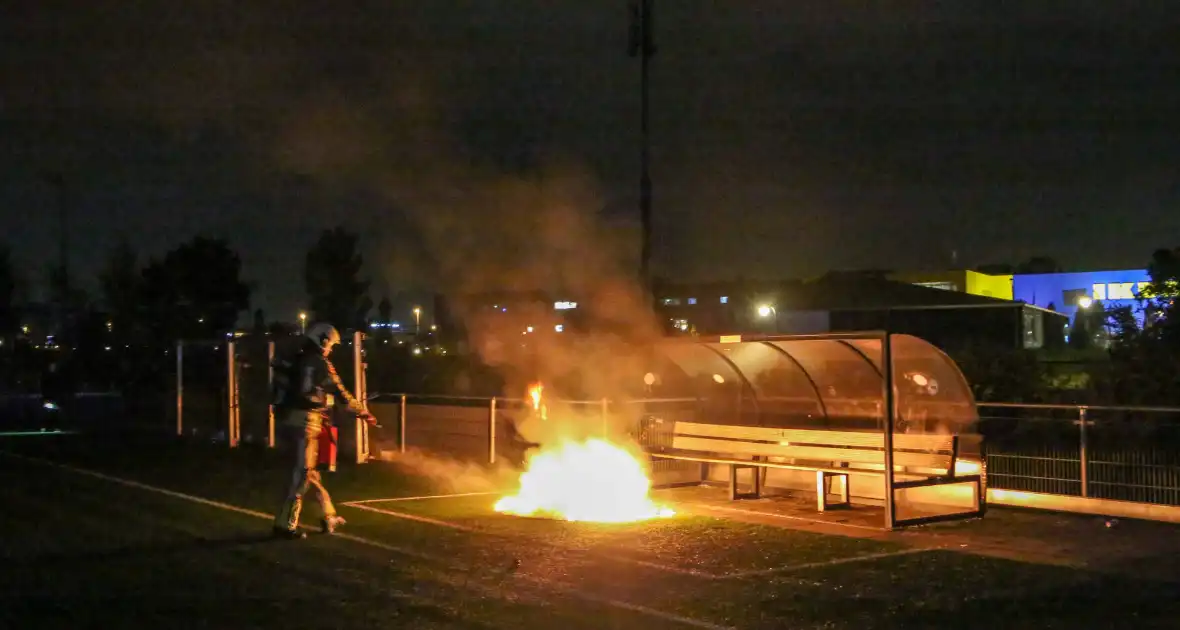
(327, 459)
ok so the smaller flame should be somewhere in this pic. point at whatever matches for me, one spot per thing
(535, 391)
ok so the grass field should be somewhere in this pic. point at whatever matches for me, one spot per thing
(99, 533)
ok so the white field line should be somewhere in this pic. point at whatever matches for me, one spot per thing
(614, 603)
(829, 563)
(423, 498)
(651, 612)
(441, 523)
(705, 575)
(784, 516)
(5, 434)
(412, 517)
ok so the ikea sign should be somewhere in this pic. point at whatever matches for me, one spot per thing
(1103, 291)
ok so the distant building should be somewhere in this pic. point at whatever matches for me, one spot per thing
(1066, 292)
(948, 316)
(963, 281)
(850, 302)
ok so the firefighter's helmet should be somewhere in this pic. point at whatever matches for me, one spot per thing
(324, 335)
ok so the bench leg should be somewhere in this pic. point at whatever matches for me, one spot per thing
(734, 495)
(821, 493)
(821, 490)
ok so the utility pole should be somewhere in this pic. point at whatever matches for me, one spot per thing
(641, 43)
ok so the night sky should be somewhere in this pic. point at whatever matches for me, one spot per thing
(788, 137)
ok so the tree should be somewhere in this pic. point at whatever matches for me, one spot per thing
(1159, 299)
(1054, 335)
(63, 293)
(1144, 364)
(9, 317)
(335, 292)
(1002, 374)
(282, 329)
(259, 322)
(195, 292)
(1081, 335)
(385, 315)
(121, 285)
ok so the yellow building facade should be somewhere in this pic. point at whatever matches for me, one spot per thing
(964, 281)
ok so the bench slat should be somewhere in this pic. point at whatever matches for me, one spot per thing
(903, 441)
(900, 476)
(816, 453)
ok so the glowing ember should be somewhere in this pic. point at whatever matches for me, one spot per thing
(584, 481)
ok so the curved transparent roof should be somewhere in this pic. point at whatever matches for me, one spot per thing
(823, 380)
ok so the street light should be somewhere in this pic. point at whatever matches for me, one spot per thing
(303, 323)
(417, 318)
(1085, 301)
(767, 311)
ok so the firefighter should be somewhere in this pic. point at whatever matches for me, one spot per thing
(303, 411)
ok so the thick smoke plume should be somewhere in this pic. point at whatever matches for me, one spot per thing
(480, 230)
(453, 476)
(382, 113)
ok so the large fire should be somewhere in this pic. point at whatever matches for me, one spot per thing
(590, 480)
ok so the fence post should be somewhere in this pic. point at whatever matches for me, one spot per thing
(1083, 456)
(270, 381)
(232, 386)
(358, 375)
(492, 431)
(887, 368)
(401, 439)
(179, 389)
(605, 419)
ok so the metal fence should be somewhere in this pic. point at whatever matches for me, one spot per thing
(1102, 452)
(1120, 453)
(479, 427)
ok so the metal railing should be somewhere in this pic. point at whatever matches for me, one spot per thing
(1091, 451)
(1094, 451)
(484, 417)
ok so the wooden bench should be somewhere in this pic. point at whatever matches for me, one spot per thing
(923, 459)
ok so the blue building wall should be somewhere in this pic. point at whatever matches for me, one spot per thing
(1062, 290)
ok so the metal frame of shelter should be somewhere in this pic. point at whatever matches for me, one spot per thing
(811, 355)
(234, 401)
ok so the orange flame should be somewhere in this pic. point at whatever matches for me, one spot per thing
(590, 480)
(593, 481)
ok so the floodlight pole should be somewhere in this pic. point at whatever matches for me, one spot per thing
(492, 431)
(179, 389)
(887, 370)
(362, 396)
(270, 381)
(233, 434)
(401, 439)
